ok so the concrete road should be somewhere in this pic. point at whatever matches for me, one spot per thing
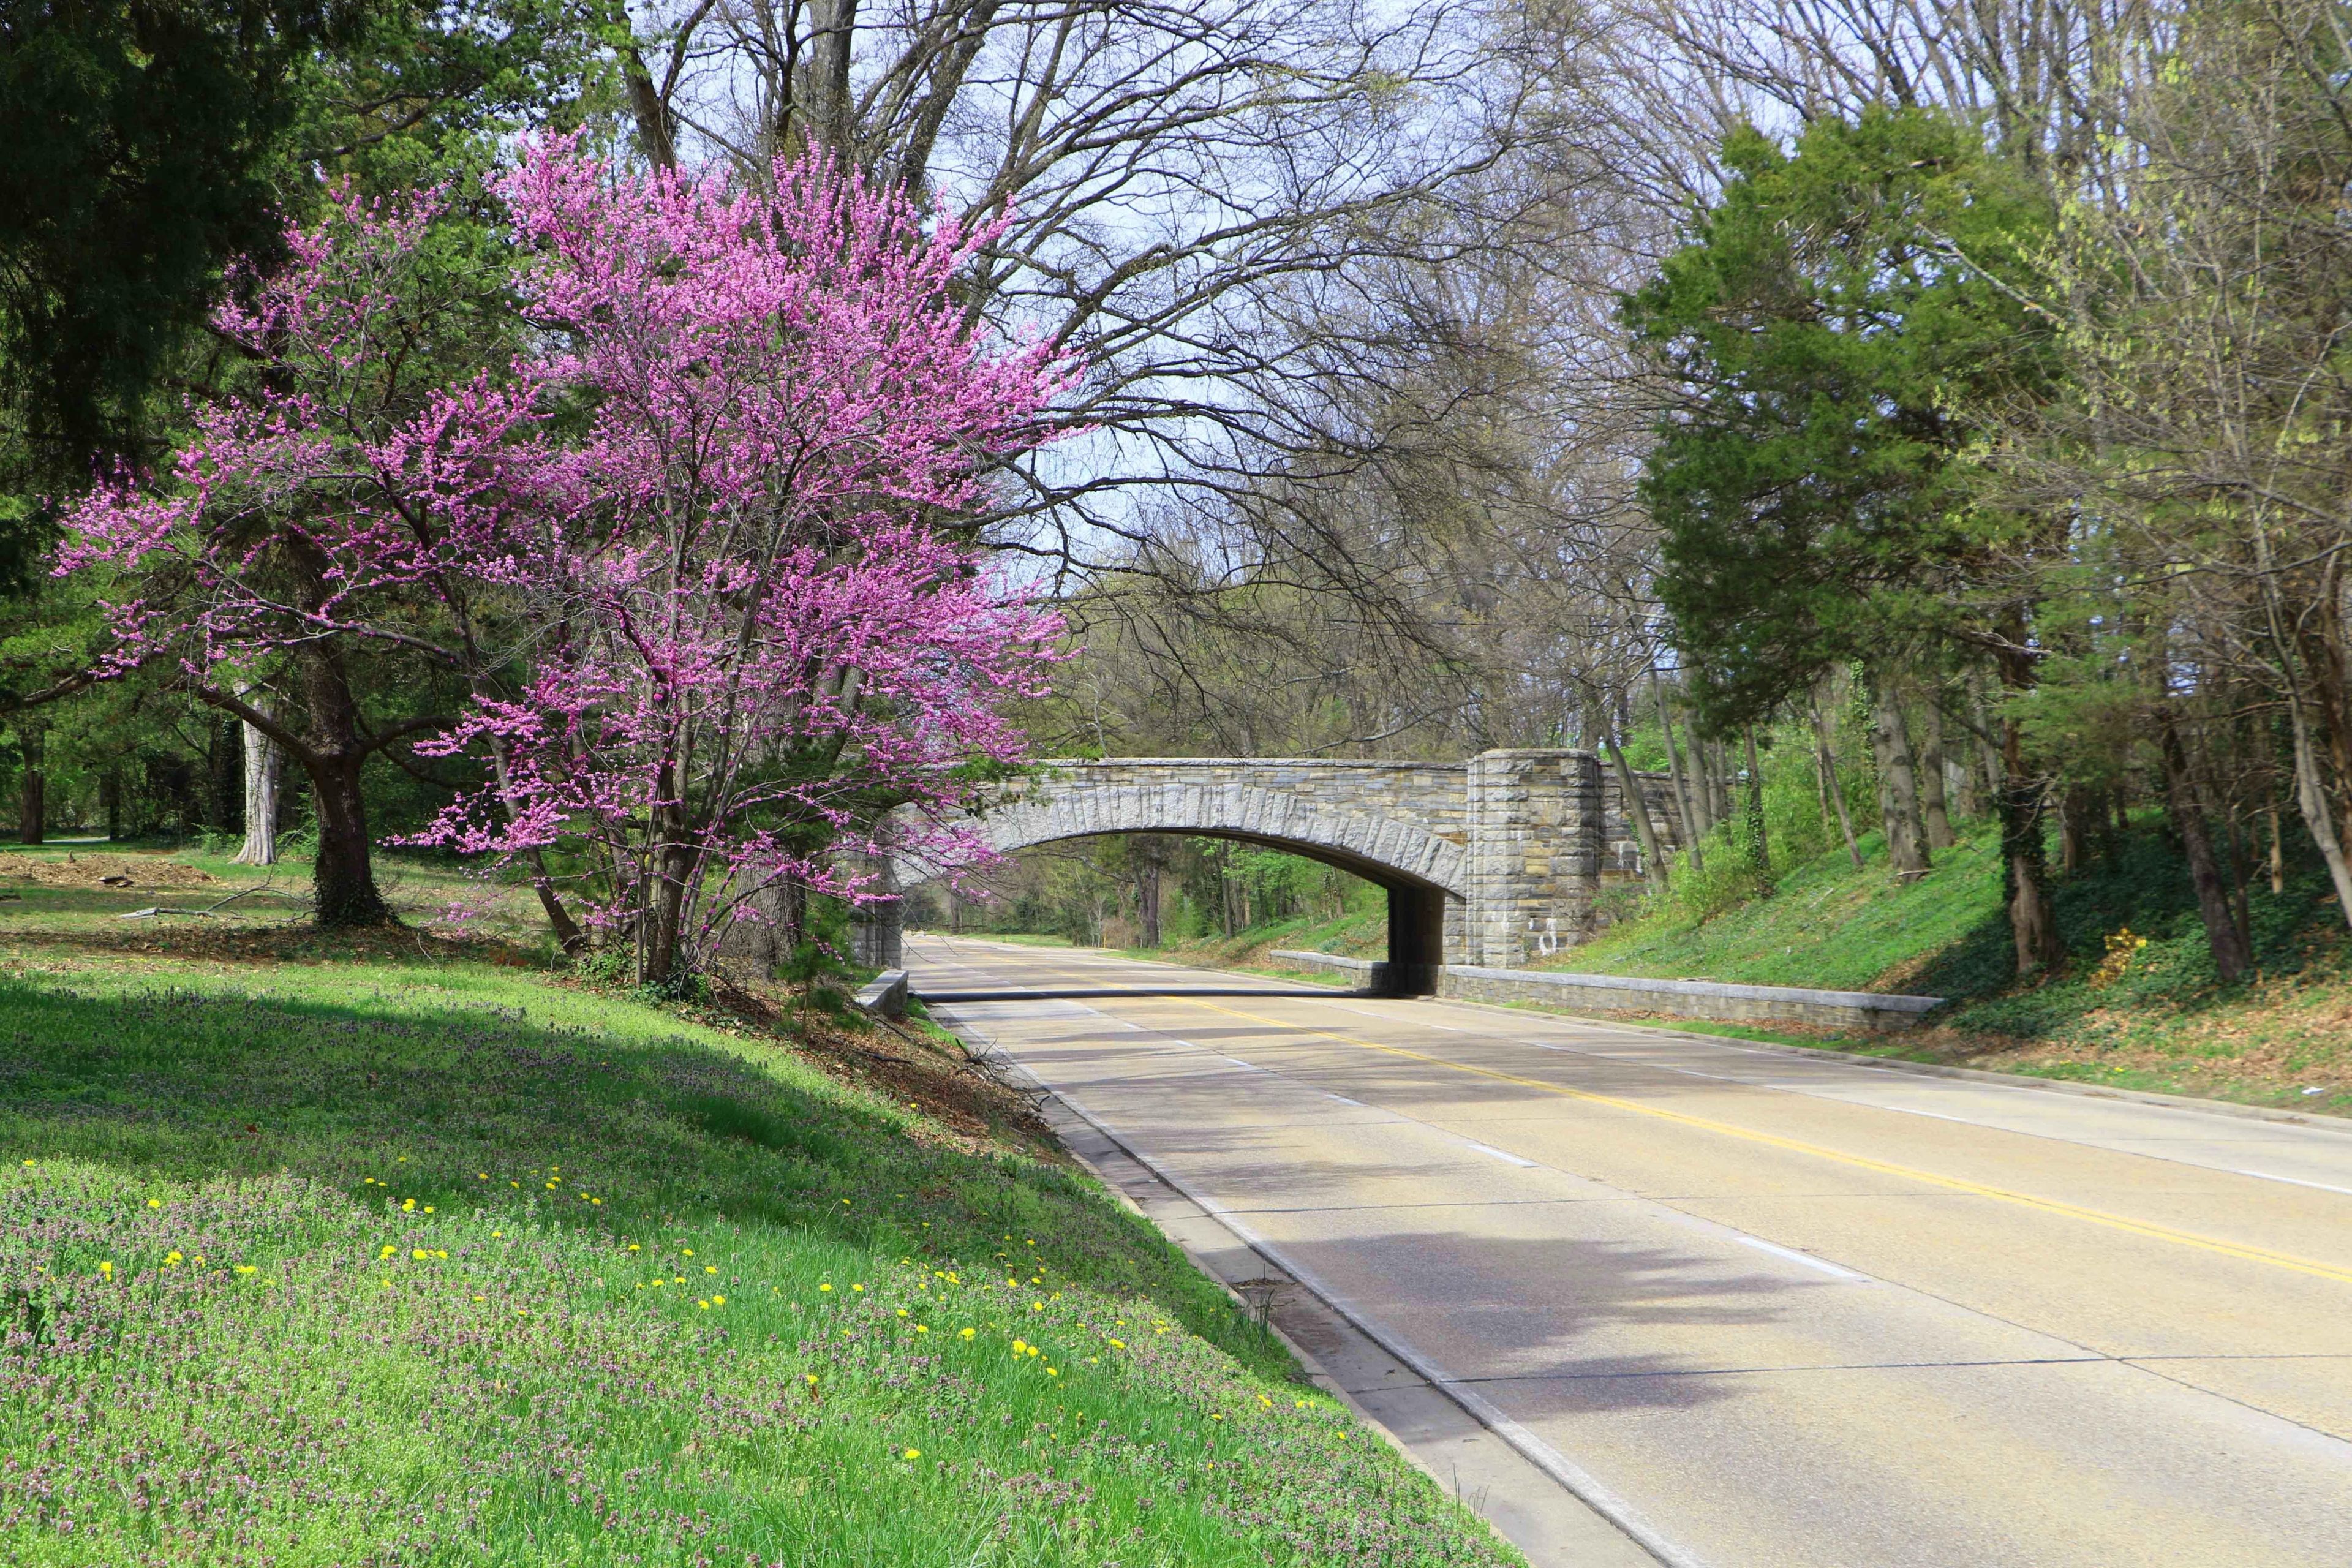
(1765, 1308)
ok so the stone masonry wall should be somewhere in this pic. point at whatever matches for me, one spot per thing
(1515, 844)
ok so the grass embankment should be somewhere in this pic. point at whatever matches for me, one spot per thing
(2139, 1007)
(1360, 931)
(395, 1253)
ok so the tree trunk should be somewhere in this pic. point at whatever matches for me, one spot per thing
(1675, 772)
(2025, 870)
(264, 767)
(343, 873)
(1149, 861)
(2318, 811)
(662, 946)
(2232, 958)
(1988, 751)
(32, 804)
(1898, 783)
(1702, 792)
(1760, 850)
(1637, 810)
(1934, 815)
(110, 802)
(1832, 785)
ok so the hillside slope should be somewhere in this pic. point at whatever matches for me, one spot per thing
(394, 1251)
(2138, 1007)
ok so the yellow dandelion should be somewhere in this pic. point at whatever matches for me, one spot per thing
(704, 1305)
(902, 1311)
(859, 1288)
(245, 1269)
(389, 1251)
(718, 1301)
(106, 1269)
(479, 1297)
(1052, 1371)
(922, 1328)
(914, 1454)
(428, 1208)
(551, 1186)
(966, 1335)
(812, 1378)
(827, 1290)
(154, 1203)
(172, 1257)
(418, 1252)
(687, 1250)
(407, 1206)
(710, 1268)
(1118, 1344)
(632, 1246)
(1020, 1347)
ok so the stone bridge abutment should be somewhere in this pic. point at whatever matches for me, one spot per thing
(1491, 861)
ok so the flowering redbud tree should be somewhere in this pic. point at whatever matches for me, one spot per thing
(720, 637)
(301, 562)
(753, 648)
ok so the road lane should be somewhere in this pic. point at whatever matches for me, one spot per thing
(1792, 1312)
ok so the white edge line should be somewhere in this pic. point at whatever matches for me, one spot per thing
(1502, 1154)
(1793, 1256)
(1577, 1481)
(2290, 1181)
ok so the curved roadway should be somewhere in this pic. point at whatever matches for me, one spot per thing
(1773, 1309)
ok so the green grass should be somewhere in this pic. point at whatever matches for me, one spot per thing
(1825, 926)
(423, 1262)
(2160, 1021)
(1357, 932)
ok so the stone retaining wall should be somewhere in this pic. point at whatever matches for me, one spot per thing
(1713, 999)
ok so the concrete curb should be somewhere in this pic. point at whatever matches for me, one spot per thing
(1722, 1001)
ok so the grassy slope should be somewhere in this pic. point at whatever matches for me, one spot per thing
(2159, 1021)
(1359, 933)
(1825, 926)
(422, 1259)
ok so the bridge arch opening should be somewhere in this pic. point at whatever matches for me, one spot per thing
(1417, 907)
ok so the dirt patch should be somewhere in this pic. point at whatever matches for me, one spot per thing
(967, 1109)
(129, 872)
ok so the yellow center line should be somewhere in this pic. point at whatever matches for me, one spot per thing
(1860, 1161)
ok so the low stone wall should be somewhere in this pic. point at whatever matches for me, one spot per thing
(884, 995)
(1712, 999)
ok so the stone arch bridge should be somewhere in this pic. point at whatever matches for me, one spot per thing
(1489, 861)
